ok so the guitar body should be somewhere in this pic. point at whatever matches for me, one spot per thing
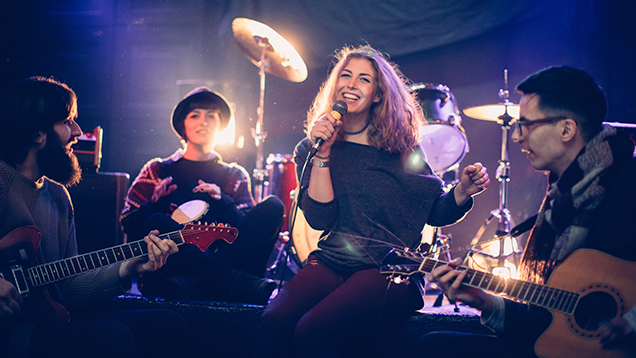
(17, 253)
(584, 293)
(608, 290)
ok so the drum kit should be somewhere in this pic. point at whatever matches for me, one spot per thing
(443, 140)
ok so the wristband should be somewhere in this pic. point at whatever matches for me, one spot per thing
(320, 163)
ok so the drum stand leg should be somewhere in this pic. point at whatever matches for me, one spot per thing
(502, 213)
(283, 259)
(440, 246)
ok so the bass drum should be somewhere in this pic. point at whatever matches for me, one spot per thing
(443, 140)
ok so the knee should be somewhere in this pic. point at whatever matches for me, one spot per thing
(273, 205)
(276, 323)
(311, 337)
(271, 318)
(307, 331)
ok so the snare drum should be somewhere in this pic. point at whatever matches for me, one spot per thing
(443, 140)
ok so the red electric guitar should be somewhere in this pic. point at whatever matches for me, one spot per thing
(584, 293)
(18, 264)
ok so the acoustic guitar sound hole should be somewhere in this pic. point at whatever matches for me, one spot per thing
(595, 310)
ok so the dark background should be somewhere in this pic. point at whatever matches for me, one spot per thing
(131, 61)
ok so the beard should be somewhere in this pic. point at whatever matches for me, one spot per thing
(57, 162)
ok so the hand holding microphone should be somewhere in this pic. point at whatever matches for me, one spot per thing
(338, 110)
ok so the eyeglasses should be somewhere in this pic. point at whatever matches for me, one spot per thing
(522, 122)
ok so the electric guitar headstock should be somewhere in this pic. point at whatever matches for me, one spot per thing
(204, 235)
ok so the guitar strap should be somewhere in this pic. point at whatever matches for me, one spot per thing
(19, 341)
(524, 226)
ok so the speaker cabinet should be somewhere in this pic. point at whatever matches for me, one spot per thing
(98, 200)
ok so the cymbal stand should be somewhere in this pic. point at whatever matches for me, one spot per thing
(502, 175)
(257, 133)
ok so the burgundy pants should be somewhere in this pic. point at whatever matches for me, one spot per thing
(321, 313)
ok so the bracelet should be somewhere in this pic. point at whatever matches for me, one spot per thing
(317, 156)
(320, 163)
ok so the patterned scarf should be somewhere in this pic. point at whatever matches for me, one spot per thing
(570, 206)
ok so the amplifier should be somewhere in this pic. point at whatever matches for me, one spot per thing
(98, 200)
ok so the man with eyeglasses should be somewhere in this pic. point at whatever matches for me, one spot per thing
(590, 204)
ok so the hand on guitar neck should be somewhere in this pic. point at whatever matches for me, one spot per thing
(450, 277)
(158, 252)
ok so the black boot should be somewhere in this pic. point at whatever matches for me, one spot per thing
(240, 286)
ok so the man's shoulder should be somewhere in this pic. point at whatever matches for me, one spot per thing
(57, 190)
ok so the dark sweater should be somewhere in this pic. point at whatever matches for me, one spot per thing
(233, 180)
(382, 200)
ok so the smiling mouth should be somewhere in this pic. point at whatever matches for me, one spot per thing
(350, 96)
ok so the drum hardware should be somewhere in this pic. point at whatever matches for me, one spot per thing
(504, 114)
(286, 254)
(272, 54)
(444, 143)
(281, 171)
(284, 251)
(296, 239)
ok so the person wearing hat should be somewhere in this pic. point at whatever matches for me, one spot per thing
(197, 172)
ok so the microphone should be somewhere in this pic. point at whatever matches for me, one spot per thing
(338, 110)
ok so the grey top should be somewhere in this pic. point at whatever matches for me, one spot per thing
(382, 200)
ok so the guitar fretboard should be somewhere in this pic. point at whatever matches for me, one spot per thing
(536, 294)
(55, 271)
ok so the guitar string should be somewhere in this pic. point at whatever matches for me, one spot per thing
(545, 297)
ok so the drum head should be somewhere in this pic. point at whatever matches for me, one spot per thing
(190, 211)
(444, 146)
(438, 103)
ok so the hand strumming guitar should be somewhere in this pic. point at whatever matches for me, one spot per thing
(10, 299)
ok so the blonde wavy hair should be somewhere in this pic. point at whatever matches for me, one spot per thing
(395, 120)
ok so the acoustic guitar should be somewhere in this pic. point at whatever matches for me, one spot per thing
(19, 266)
(584, 293)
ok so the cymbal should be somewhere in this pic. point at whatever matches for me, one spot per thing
(281, 58)
(492, 112)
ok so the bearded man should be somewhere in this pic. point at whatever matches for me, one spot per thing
(37, 130)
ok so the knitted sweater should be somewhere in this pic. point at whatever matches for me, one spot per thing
(382, 200)
(46, 205)
(236, 198)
